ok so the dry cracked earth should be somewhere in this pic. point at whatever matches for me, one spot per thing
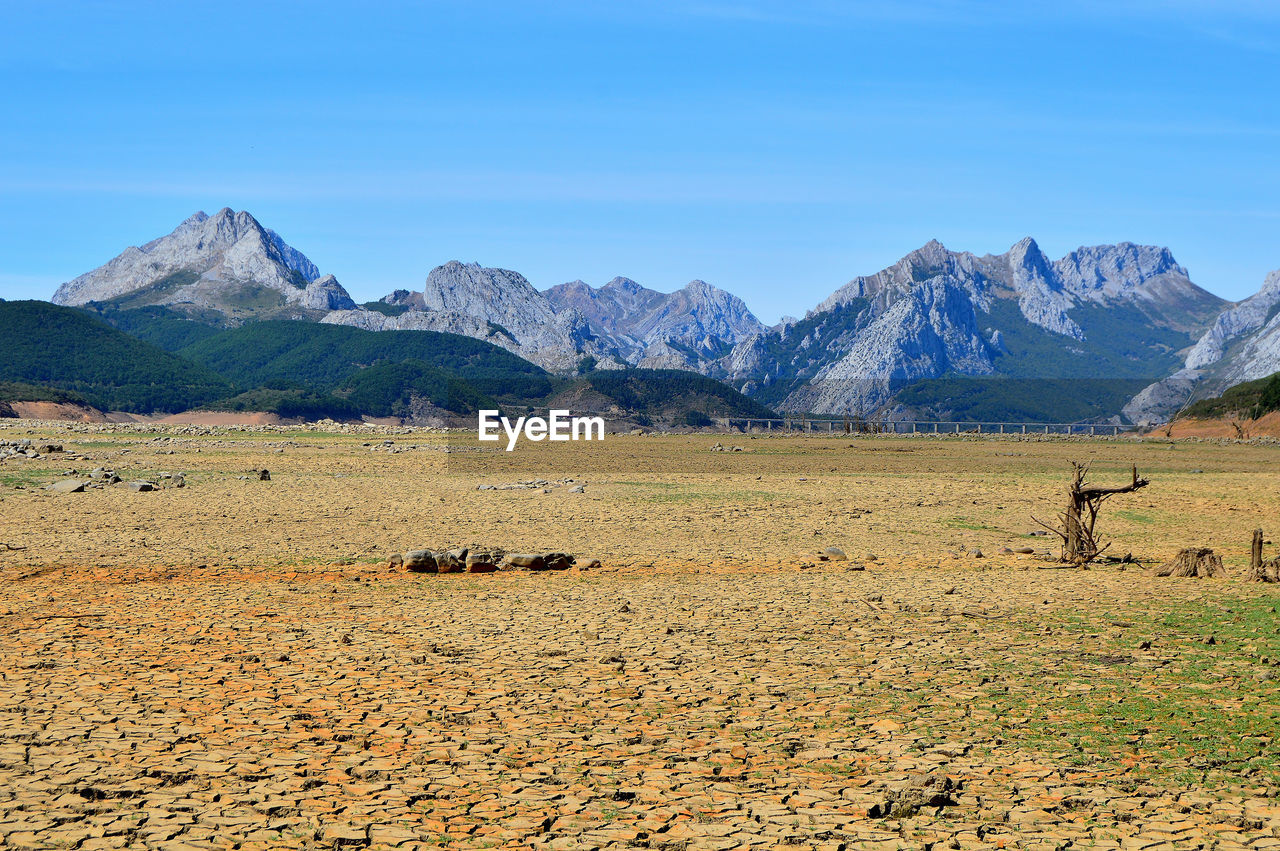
(252, 677)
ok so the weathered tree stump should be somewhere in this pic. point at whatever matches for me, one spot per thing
(1198, 562)
(1259, 570)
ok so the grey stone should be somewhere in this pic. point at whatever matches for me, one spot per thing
(420, 561)
(452, 561)
(481, 563)
(557, 561)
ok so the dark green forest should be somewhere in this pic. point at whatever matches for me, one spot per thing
(69, 349)
(305, 370)
(1250, 400)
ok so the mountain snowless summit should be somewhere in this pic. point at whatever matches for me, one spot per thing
(1125, 314)
(620, 324)
(697, 322)
(227, 263)
(1115, 312)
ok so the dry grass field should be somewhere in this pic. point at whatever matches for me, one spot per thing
(230, 664)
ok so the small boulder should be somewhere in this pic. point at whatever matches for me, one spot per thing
(525, 561)
(420, 561)
(140, 487)
(263, 475)
(578, 489)
(395, 561)
(480, 563)
(557, 561)
(453, 561)
(588, 564)
(68, 486)
(835, 554)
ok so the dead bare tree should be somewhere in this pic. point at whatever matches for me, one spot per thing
(1079, 543)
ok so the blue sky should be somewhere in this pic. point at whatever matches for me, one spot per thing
(773, 149)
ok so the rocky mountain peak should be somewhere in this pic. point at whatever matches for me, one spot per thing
(1109, 271)
(652, 328)
(227, 262)
(1041, 296)
(199, 217)
(491, 293)
(621, 283)
(1026, 253)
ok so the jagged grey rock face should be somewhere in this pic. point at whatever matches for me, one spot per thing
(932, 331)
(420, 320)
(495, 305)
(1042, 298)
(642, 324)
(498, 295)
(293, 258)
(325, 293)
(1259, 356)
(1104, 272)
(404, 298)
(1156, 402)
(1023, 269)
(618, 324)
(1246, 318)
(226, 262)
(934, 312)
(1243, 344)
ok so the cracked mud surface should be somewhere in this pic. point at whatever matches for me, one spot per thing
(715, 686)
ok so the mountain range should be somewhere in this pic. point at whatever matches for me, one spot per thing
(1108, 331)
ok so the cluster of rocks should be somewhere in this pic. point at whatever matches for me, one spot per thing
(101, 477)
(537, 484)
(394, 448)
(718, 447)
(27, 449)
(263, 475)
(183, 429)
(468, 560)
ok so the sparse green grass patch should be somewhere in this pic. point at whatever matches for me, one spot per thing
(1184, 710)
